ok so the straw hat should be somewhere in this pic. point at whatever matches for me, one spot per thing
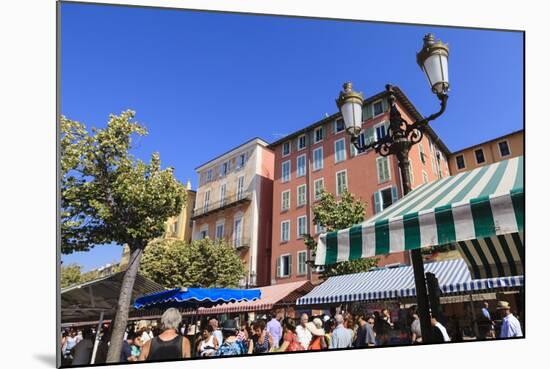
(503, 305)
(316, 331)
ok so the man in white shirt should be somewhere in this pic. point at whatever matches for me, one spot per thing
(304, 335)
(510, 324)
(217, 332)
(440, 331)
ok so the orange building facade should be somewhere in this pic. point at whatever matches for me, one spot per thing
(234, 203)
(488, 152)
(321, 156)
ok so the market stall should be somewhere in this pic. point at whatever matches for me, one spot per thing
(482, 210)
(280, 296)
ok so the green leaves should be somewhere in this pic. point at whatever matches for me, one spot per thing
(334, 214)
(202, 263)
(107, 195)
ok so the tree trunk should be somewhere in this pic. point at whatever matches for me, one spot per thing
(123, 307)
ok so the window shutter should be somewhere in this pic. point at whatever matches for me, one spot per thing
(377, 202)
(387, 127)
(352, 150)
(385, 105)
(367, 111)
(369, 135)
(380, 169)
(394, 195)
(278, 266)
(289, 265)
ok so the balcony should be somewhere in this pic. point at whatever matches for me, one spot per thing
(226, 202)
(242, 244)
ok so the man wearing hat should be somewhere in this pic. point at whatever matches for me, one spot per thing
(510, 324)
(231, 345)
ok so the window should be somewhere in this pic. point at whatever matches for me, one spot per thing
(339, 125)
(224, 168)
(318, 186)
(241, 160)
(203, 233)
(301, 166)
(460, 162)
(223, 190)
(361, 140)
(302, 142)
(302, 226)
(381, 131)
(238, 232)
(286, 171)
(208, 175)
(319, 228)
(383, 169)
(377, 108)
(285, 200)
(424, 177)
(301, 195)
(318, 158)
(240, 188)
(302, 256)
(438, 164)
(219, 231)
(318, 134)
(341, 182)
(384, 198)
(284, 265)
(422, 154)
(411, 174)
(206, 200)
(480, 156)
(285, 230)
(504, 148)
(286, 148)
(340, 150)
(431, 145)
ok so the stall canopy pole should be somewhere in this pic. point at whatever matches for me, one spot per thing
(97, 337)
(474, 320)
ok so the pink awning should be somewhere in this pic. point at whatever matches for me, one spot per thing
(270, 296)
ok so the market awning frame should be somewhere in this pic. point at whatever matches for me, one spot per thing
(482, 203)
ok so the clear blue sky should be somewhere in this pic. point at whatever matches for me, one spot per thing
(205, 82)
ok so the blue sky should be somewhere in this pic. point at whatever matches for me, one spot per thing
(204, 82)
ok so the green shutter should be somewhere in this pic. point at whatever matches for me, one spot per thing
(369, 135)
(278, 266)
(367, 111)
(289, 265)
(394, 196)
(377, 202)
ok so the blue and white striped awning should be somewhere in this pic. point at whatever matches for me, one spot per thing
(391, 283)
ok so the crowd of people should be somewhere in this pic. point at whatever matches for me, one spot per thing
(273, 333)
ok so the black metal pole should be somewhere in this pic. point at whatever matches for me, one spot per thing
(402, 147)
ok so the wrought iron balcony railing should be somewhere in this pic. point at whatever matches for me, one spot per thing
(226, 202)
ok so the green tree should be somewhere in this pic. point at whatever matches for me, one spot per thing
(334, 214)
(70, 275)
(107, 195)
(202, 263)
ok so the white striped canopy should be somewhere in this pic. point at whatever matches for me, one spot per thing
(484, 203)
(391, 283)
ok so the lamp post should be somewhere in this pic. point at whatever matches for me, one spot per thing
(399, 139)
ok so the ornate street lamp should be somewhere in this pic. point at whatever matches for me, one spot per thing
(401, 136)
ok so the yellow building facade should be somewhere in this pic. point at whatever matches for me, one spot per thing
(488, 152)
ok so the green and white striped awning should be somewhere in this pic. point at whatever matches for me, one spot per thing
(485, 203)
